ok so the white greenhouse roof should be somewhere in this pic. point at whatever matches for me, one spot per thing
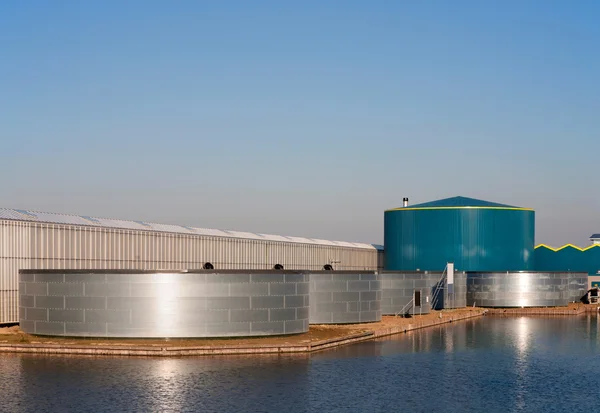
(52, 218)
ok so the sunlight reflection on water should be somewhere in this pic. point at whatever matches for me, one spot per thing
(492, 364)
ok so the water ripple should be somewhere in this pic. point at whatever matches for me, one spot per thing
(487, 365)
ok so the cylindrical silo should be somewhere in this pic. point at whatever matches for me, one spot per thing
(163, 304)
(522, 289)
(475, 235)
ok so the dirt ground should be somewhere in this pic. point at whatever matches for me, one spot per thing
(13, 335)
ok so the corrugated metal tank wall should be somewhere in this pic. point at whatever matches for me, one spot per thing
(455, 297)
(157, 304)
(475, 239)
(344, 297)
(524, 289)
(398, 292)
(32, 245)
(578, 286)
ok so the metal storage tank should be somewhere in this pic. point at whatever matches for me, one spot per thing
(578, 286)
(163, 304)
(454, 296)
(476, 235)
(41, 240)
(344, 297)
(523, 289)
(407, 292)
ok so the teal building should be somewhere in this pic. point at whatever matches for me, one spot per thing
(476, 235)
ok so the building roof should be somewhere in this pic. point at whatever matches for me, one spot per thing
(566, 246)
(595, 236)
(460, 202)
(53, 218)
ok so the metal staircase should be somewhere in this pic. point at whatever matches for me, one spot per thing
(407, 306)
(440, 286)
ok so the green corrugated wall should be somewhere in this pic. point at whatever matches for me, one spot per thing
(568, 258)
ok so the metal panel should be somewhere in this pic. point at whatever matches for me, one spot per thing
(338, 298)
(10, 214)
(568, 258)
(455, 295)
(160, 304)
(578, 287)
(29, 244)
(521, 289)
(475, 239)
(593, 260)
(398, 291)
(9, 306)
(54, 218)
(461, 201)
(450, 295)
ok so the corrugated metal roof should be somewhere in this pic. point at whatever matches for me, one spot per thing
(53, 218)
(460, 201)
(302, 240)
(243, 234)
(271, 237)
(211, 232)
(595, 236)
(324, 242)
(171, 228)
(10, 214)
(61, 219)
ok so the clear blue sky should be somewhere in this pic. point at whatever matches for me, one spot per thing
(304, 119)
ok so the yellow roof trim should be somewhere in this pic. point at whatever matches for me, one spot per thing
(458, 207)
(566, 246)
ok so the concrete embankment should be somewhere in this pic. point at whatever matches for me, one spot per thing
(571, 309)
(320, 337)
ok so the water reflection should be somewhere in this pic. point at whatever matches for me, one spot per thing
(79, 383)
(523, 338)
(11, 382)
(171, 390)
(491, 364)
(449, 339)
(522, 343)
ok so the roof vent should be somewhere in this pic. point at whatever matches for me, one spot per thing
(405, 202)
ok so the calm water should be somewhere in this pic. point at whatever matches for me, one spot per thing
(487, 365)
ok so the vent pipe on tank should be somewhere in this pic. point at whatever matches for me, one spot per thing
(405, 202)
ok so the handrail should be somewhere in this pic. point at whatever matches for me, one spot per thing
(407, 304)
(433, 296)
(439, 285)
